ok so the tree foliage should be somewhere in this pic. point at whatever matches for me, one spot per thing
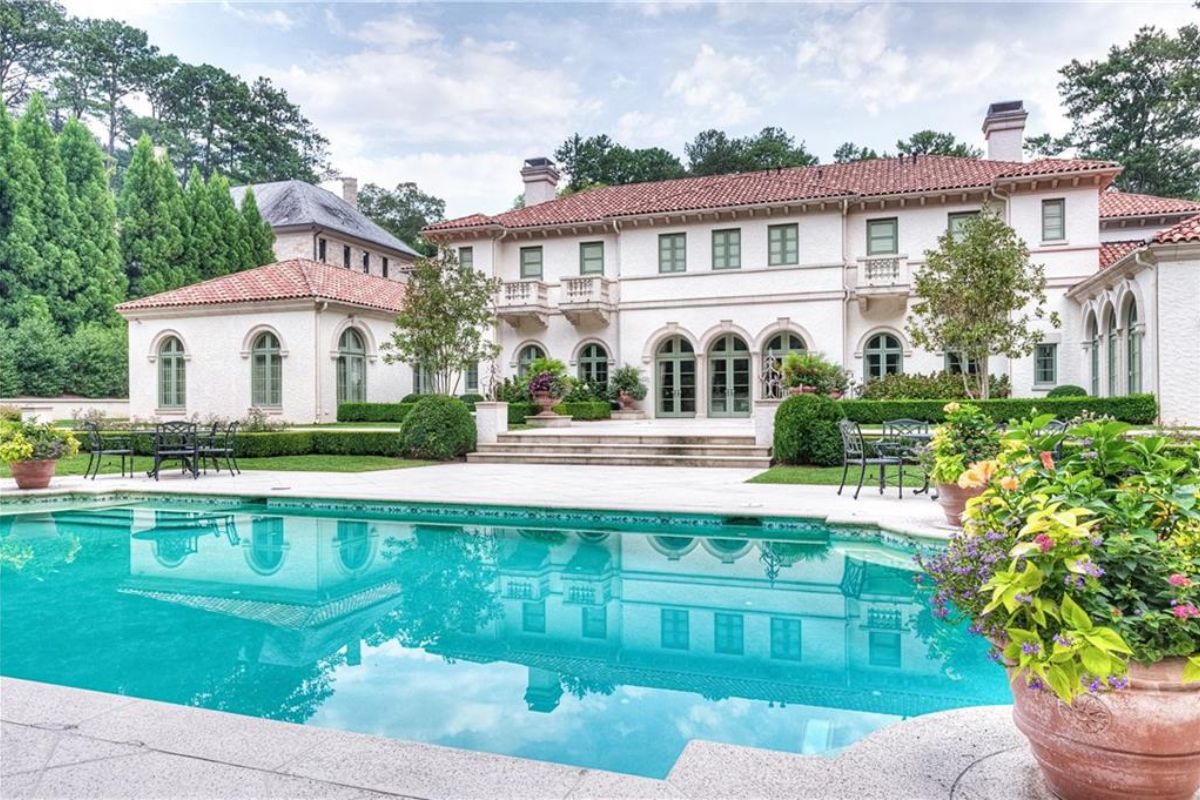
(447, 320)
(260, 237)
(599, 161)
(403, 211)
(152, 210)
(713, 152)
(848, 152)
(31, 35)
(936, 143)
(978, 294)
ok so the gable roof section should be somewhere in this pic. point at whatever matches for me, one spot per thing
(283, 280)
(284, 203)
(1186, 231)
(884, 177)
(1115, 205)
(1111, 252)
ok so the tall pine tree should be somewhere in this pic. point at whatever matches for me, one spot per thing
(151, 238)
(260, 237)
(204, 247)
(235, 253)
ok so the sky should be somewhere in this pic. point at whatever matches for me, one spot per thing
(454, 96)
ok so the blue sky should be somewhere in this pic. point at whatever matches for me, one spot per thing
(455, 95)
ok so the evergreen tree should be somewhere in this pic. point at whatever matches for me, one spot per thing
(204, 236)
(103, 281)
(96, 357)
(233, 227)
(151, 238)
(35, 348)
(259, 235)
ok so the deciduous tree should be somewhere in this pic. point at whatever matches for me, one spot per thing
(848, 152)
(30, 40)
(403, 211)
(936, 143)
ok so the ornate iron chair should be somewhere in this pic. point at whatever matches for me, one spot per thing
(97, 450)
(176, 441)
(855, 452)
(904, 439)
(221, 446)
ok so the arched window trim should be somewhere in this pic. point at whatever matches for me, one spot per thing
(266, 386)
(258, 330)
(597, 365)
(521, 348)
(882, 350)
(1133, 347)
(171, 374)
(345, 358)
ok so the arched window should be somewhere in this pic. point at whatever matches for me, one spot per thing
(529, 353)
(1133, 350)
(266, 371)
(882, 356)
(777, 347)
(353, 542)
(1110, 328)
(1094, 340)
(172, 374)
(593, 365)
(266, 546)
(351, 368)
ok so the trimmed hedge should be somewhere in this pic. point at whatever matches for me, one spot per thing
(517, 412)
(1139, 409)
(806, 431)
(373, 412)
(294, 443)
(1067, 390)
(585, 410)
(439, 428)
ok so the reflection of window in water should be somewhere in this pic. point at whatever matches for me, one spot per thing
(533, 617)
(595, 537)
(785, 639)
(728, 634)
(675, 629)
(170, 551)
(353, 543)
(265, 552)
(595, 622)
(728, 550)
(884, 649)
(672, 546)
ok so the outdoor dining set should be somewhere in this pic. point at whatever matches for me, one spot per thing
(195, 448)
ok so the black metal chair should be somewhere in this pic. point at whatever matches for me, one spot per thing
(855, 452)
(176, 441)
(215, 450)
(97, 450)
(904, 439)
(1051, 428)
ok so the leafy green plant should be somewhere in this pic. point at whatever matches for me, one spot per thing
(1141, 409)
(627, 379)
(967, 437)
(813, 371)
(374, 412)
(1067, 390)
(33, 441)
(439, 428)
(934, 386)
(806, 431)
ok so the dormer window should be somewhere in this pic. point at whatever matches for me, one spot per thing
(366, 264)
(321, 250)
(346, 256)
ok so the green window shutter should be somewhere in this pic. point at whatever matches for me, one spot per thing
(531, 262)
(1054, 220)
(783, 245)
(1045, 364)
(727, 249)
(466, 257)
(883, 237)
(672, 252)
(591, 258)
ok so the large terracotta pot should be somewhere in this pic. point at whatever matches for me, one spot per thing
(953, 499)
(546, 401)
(626, 400)
(1143, 741)
(33, 474)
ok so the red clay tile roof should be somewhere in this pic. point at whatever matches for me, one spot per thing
(1127, 204)
(1111, 252)
(1186, 231)
(882, 177)
(282, 280)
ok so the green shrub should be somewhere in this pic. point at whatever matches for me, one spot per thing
(1067, 390)
(438, 428)
(942, 385)
(1139, 409)
(806, 431)
(518, 410)
(358, 443)
(373, 412)
(413, 399)
(261, 445)
(585, 410)
(471, 399)
(291, 443)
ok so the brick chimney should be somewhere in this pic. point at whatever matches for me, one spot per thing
(1004, 130)
(350, 190)
(541, 180)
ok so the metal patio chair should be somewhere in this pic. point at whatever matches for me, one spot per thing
(905, 439)
(176, 441)
(855, 452)
(221, 446)
(97, 450)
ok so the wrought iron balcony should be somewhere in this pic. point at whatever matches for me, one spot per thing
(523, 302)
(587, 299)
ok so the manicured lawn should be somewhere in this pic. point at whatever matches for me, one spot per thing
(341, 426)
(311, 463)
(831, 476)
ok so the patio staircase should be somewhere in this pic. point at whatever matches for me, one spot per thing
(625, 450)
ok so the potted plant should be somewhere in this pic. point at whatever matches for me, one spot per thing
(626, 387)
(959, 457)
(548, 383)
(541, 389)
(1083, 570)
(812, 373)
(32, 450)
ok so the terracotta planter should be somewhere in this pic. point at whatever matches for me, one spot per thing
(795, 390)
(33, 474)
(836, 394)
(953, 499)
(1143, 741)
(546, 401)
(626, 400)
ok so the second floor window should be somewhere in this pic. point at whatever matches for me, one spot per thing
(366, 263)
(466, 257)
(1054, 220)
(346, 256)
(956, 223)
(531, 262)
(384, 264)
(321, 250)
(727, 249)
(883, 237)
(672, 252)
(591, 258)
(783, 245)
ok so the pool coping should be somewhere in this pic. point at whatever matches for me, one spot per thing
(66, 742)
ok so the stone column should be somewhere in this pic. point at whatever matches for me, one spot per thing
(764, 421)
(491, 420)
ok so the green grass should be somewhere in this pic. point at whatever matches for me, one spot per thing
(831, 476)
(334, 426)
(309, 463)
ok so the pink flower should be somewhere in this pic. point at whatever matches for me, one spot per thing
(1179, 579)
(1047, 459)
(1044, 542)
(1186, 611)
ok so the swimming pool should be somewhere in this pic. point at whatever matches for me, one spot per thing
(584, 638)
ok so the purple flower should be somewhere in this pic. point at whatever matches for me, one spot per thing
(1094, 685)
(1118, 682)
(1063, 641)
(994, 655)
(1031, 648)
(1035, 684)
(1095, 570)
(1097, 541)
(1020, 597)
(941, 612)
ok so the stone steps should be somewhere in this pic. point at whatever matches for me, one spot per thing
(618, 460)
(540, 438)
(632, 448)
(651, 450)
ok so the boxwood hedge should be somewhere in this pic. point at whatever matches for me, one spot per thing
(373, 412)
(1139, 409)
(583, 410)
(295, 443)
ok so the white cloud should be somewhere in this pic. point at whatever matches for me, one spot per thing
(657, 8)
(728, 88)
(259, 14)
(397, 31)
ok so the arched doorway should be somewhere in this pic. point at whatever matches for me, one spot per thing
(675, 366)
(729, 377)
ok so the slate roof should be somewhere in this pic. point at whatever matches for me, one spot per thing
(298, 203)
(1115, 205)
(1111, 252)
(282, 280)
(884, 177)
(1186, 231)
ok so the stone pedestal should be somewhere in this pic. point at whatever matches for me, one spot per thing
(634, 414)
(548, 421)
(491, 420)
(764, 422)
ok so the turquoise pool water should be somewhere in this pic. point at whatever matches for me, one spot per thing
(595, 640)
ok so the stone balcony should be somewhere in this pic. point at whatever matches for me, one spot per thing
(522, 303)
(588, 299)
(882, 278)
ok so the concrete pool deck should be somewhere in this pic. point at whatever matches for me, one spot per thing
(62, 742)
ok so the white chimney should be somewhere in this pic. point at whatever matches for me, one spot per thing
(350, 190)
(1004, 130)
(541, 180)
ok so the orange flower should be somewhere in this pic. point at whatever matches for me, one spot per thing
(1009, 483)
(1047, 459)
(980, 474)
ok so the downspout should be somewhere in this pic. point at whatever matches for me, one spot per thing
(845, 310)
(1004, 198)
(618, 361)
(317, 358)
(497, 324)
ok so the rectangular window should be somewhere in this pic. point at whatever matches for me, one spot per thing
(1054, 220)
(366, 263)
(466, 257)
(321, 250)
(785, 639)
(955, 222)
(591, 258)
(727, 249)
(883, 649)
(883, 237)
(728, 634)
(672, 252)
(1045, 364)
(472, 378)
(954, 364)
(384, 264)
(346, 256)
(595, 622)
(783, 245)
(531, 262)
(533, 617)
(675, 629)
